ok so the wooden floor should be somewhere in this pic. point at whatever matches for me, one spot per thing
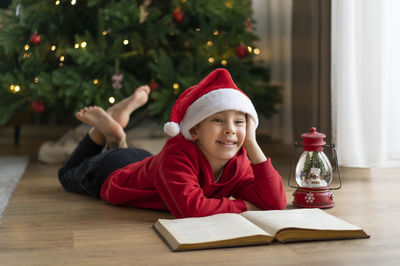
(44, 225)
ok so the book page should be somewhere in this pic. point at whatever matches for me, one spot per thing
(273, 221)
(211, 228)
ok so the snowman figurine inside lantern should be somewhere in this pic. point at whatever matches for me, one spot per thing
(314, 172)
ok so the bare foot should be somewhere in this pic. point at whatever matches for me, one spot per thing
(103, 123)
(122, 110)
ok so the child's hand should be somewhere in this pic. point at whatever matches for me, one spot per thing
(250, 132)
(253, 150)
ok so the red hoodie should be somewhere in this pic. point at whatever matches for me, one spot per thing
(181, 179)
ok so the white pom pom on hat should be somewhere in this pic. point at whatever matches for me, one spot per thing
(215, 93)
(171, 128)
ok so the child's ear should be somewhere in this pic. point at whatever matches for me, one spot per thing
(193, 133)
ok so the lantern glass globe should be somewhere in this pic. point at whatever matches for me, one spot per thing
(313, 170)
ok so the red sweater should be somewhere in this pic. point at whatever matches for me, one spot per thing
(181, 179)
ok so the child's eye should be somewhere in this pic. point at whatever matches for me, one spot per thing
(239, 122)
(217, 120)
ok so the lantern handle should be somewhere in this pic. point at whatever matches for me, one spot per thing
(296, 145)
(336, 165)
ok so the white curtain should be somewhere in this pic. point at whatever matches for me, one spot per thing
(366, 82)
(273, 26)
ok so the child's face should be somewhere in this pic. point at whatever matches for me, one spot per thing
(221, 135)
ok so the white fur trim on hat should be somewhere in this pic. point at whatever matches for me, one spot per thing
(213, 102)
(171, 128)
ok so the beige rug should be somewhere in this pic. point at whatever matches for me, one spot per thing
(11, 170)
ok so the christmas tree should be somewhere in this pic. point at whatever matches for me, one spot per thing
(59, 56)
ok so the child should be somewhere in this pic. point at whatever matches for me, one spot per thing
(211, 164)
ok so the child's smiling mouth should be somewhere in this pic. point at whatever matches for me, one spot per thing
(227, 142)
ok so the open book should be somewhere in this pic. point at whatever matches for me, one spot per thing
(254, 228)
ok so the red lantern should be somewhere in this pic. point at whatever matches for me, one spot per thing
(314, 172)
(35, 39)
(178, 15)
(241, 51)
(38, 107)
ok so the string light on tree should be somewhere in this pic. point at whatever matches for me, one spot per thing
(125, 42)
(15, 88)
(104, 33)
(256, 51)
(73, 2)
(57, 2)
(229, 4)
(175, 86)
(83, 44)
(215, 32)
(211, 60)
(53, 48)
(36, 80)
(111, 100)
(209, 43)
(95, 81)
(62, 58)
(76, 46)
(224, 62)
(26, 47)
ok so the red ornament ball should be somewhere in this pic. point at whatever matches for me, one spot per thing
(241, 51)
(178, 15)
(38, 107)
(153, 85)
(35, 39)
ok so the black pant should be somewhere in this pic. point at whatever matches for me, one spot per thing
(87, 168)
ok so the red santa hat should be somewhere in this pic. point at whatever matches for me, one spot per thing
(215, 93)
